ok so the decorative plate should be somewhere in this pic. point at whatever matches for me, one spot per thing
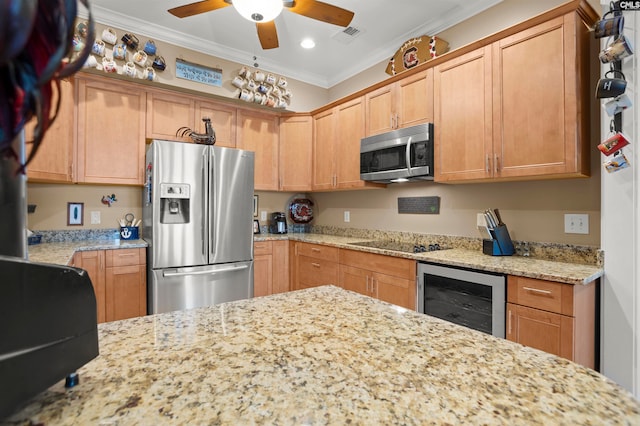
(301, 210)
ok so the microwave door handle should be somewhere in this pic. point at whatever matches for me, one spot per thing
(408, 156)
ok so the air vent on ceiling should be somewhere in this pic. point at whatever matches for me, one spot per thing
(347, 35)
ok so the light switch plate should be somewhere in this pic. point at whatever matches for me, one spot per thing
(263, 215)
(576, 223)
(347, 216)
(95, 218)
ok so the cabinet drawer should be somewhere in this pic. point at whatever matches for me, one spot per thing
(540, 294)
(314, 272)
(124, 257)
(318, 251)
(262, 247)
(388, 265)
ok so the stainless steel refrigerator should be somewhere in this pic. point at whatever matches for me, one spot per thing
(197, 220)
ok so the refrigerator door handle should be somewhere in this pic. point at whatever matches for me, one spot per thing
(204, 218)
(207, 272)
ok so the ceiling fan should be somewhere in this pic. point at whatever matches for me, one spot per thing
(263, 12)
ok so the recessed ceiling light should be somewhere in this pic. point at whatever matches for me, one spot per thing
(308, 43)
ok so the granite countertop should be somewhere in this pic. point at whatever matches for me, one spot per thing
(61, 253)
(565, 272)
(321, 356)
(572, 273)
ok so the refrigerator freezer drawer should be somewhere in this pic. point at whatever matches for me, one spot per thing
(185, 288)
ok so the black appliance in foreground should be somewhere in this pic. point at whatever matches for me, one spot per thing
(48, 328)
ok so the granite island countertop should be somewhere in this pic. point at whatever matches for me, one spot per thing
(565, 272)
(321, 356)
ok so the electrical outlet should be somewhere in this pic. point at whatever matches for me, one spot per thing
(576, 223)
(263, 215)
(347, 216)
(95, 218)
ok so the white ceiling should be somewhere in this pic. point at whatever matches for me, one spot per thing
(384, 25)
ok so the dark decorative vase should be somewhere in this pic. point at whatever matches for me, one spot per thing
(13, 204)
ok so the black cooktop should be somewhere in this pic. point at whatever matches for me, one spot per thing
(399, 246)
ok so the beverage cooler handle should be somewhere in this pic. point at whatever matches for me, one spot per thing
(208, 272)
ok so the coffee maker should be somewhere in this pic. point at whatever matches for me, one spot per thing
(278, 223)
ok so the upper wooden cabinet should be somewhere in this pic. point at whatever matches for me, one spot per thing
(501, 113)
(111, 130)
(54, 159)
(404, 103)
(295, 153)
(223, 120)
(463, 132)
(258, 132)
(540, 108)
(167, 112)
(336, 147)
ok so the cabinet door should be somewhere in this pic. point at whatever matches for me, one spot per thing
(223, 120)
(259, 133)
(414, 99)
(350, 130)
(94, 263)
(280, 266)
(295, 153)
(380, 114)
(395, 290)
(262, 275)
(535, 124)
(463, 117)
(324, 142)
(547, 331)
(262, 268)
(126, 292)
(54, 159)
(166, 113)
(315, 272)
(111, 132)
(355, 279)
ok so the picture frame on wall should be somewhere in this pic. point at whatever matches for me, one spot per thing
(255, 206)
(75, 214)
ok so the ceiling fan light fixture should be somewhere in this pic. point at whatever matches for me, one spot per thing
(258, 10)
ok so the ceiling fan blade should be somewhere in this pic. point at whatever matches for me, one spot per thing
(267, 34)
(322, 12)
(198, 8)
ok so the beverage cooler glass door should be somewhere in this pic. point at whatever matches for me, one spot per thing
(468, 298)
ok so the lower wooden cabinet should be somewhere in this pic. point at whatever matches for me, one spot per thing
(314, 265)
(387, 278)
(554, 317)
(270, 267)
(119, 281)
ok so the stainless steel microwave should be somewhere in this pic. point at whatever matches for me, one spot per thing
(398, 156)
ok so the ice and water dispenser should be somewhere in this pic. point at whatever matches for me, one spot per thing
(175, 201)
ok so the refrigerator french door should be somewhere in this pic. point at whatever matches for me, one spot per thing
(198, 215)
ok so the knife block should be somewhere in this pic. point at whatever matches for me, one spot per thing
(501, 245)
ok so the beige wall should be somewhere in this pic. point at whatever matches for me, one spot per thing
(305, 97)
(51, 201)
